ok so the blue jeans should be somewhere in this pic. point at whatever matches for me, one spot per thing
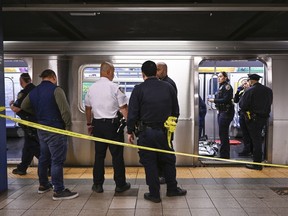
(53, 148)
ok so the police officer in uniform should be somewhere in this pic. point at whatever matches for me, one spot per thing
(248, 148)
(31, 146)
(150, 105)
(256, 104)
(225, 107)
(162, 74)
(102, 102)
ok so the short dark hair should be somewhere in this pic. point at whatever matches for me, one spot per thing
(149, 68)
(47, 73)
(25, 77)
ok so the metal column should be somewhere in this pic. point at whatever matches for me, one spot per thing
(3, 151)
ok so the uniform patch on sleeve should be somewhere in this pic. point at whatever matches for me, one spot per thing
(122, 90)
(20, 95)
(228, 87)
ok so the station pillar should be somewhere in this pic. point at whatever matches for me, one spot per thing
(3, 147)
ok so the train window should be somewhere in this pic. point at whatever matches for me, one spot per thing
(126, 75)
(12, 71)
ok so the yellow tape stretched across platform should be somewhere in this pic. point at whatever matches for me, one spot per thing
(87, 137)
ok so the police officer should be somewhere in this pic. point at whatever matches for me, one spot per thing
(31, 146)
(162, 74)
(248, 148)
(150, 105)
(256, 104)
(102, 102)
(202, 114)
(225, 107)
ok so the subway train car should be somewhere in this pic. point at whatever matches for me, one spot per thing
(192, 65)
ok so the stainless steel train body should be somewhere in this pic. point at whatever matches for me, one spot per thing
(77, 66)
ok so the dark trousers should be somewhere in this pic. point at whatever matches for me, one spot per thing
(157, 138)
(248, 147)
(224, 120)
(30, 149)
(255, 128)
(108, 130)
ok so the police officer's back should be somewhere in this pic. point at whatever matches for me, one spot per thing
(256, 105)
(150, 105)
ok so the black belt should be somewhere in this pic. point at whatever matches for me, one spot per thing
(155, 125)
(112, 120)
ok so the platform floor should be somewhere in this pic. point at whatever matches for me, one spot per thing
(225, 191)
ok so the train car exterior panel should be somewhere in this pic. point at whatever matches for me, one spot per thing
(183, 58)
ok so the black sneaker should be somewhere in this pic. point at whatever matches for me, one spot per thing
(66, 194)
(18, 172)
(97, 188)
(147, 196)
(43, 189)
(255, 167)
(177, 192)
(123, 188)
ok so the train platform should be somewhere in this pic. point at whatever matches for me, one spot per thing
(225, 191)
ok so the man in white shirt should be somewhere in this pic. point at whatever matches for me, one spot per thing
(102, 102)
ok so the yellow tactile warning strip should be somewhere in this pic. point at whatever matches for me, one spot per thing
(182, 172)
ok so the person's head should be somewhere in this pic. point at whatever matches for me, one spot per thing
(222, 77)
(161, 70)
(253, 78)
(49, 75)
(245, 83)
(25, 79)
(107, 70)
(149, 68)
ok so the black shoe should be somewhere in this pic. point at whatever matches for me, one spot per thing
(49, 172)
(43, 189)
(244, 153)
(123, 188)
(162, 180)
(147, 196)
(255, 167)
(65, 195)
(97, 188)
(18, 172)
(177, 192)
(225, 157)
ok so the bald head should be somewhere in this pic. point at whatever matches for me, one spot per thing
(161, 70)
(107, 70)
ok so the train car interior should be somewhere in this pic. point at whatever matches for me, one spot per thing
(209, 143)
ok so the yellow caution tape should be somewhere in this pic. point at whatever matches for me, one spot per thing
(170, 125)
(87, 137)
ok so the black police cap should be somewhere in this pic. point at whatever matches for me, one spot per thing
(149, 68)
(254, 77)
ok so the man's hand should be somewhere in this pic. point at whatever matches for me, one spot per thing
(90, 129)
(131, 138)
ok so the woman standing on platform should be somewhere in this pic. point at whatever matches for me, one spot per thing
(224, 104)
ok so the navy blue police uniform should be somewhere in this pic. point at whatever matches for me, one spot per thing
(150, 104)
(169, 80)
(202, 114)
(31, 146)
(248, 147)
(256, 104)
(225, 107)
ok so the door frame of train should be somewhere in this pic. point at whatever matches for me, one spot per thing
(267, 62)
